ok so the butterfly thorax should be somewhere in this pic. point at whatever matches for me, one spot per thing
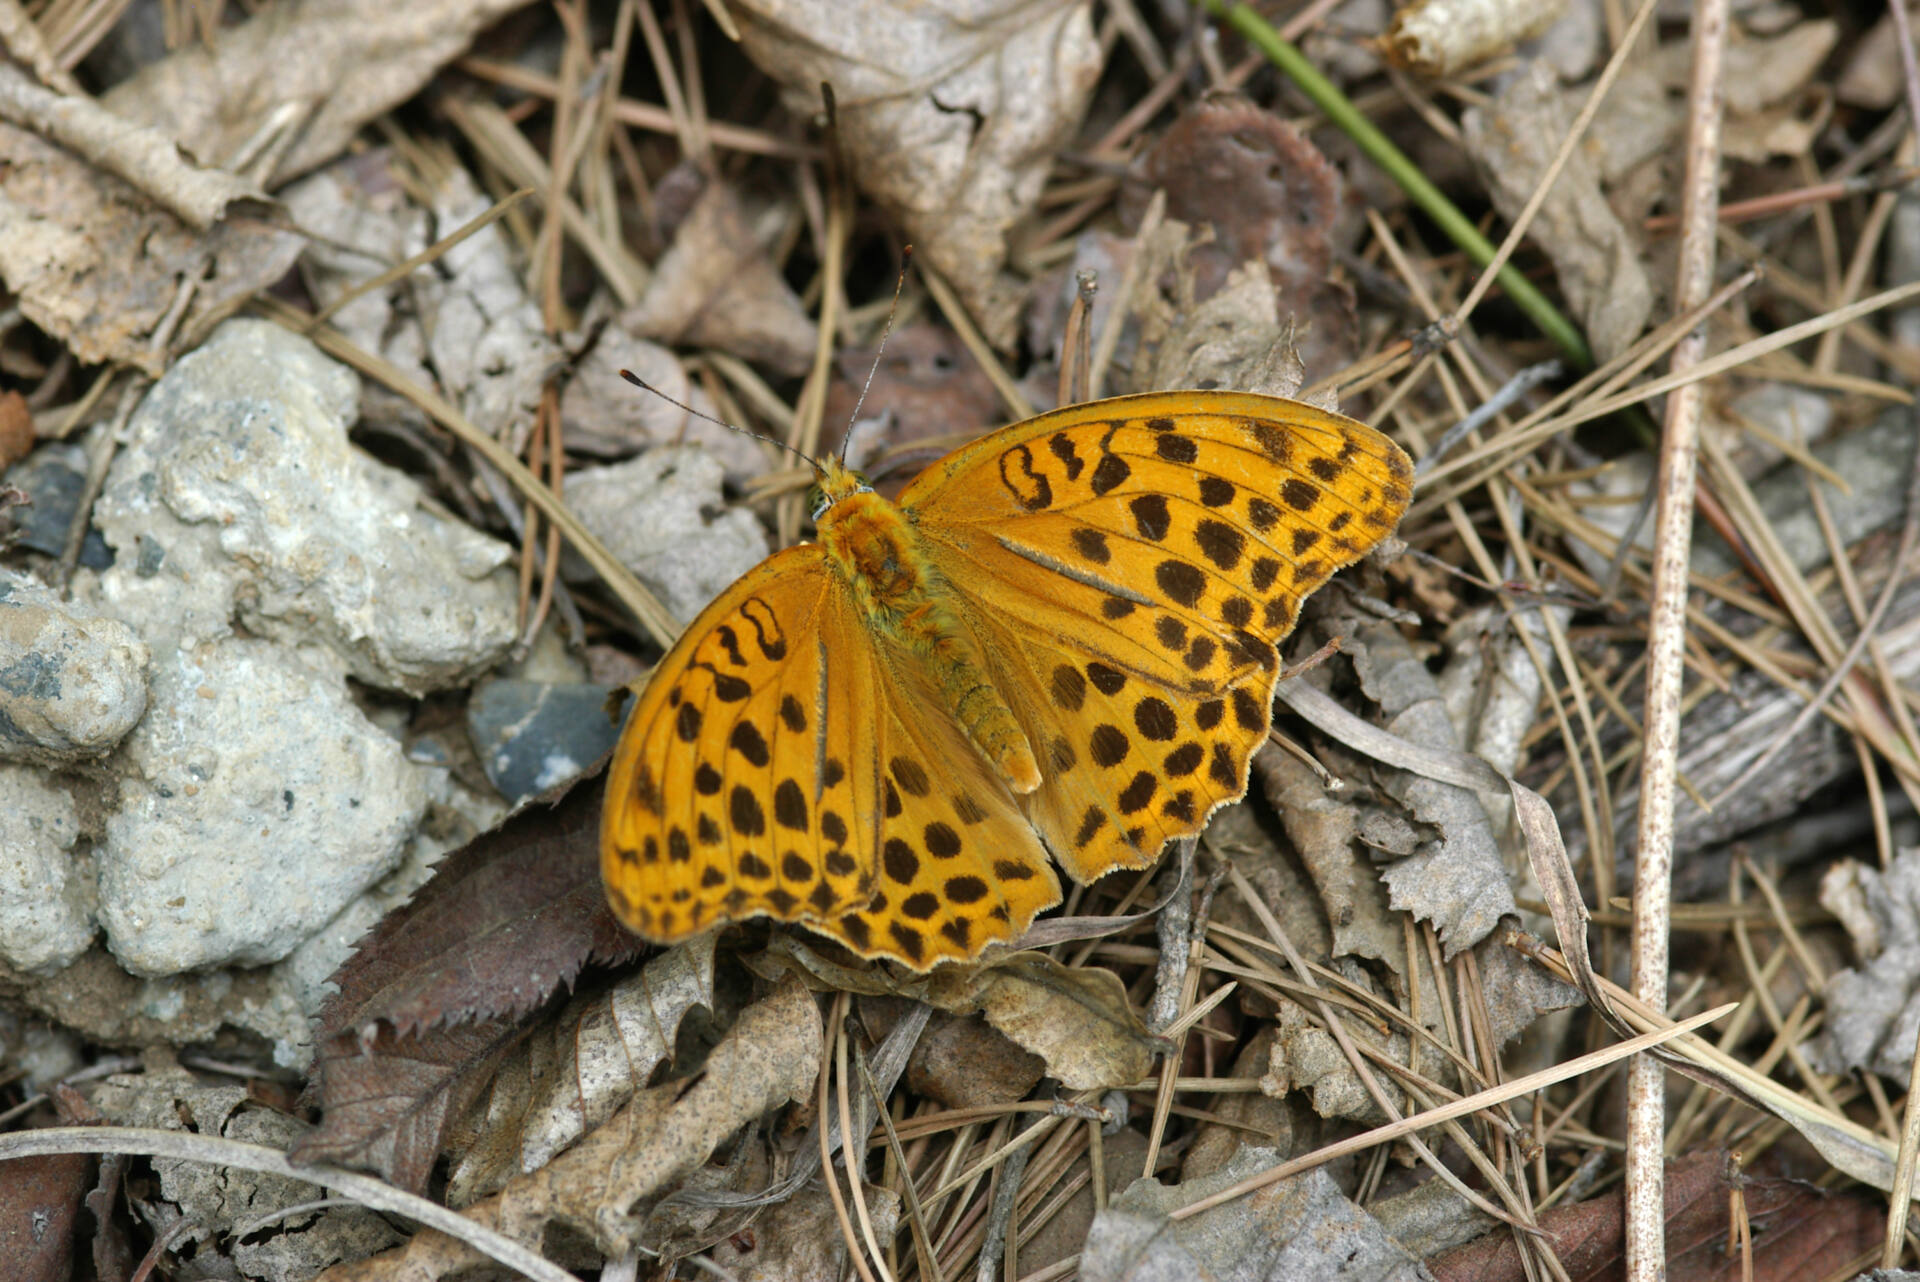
(878, 555)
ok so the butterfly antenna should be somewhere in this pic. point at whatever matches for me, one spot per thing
(886, 330)
(645, 386)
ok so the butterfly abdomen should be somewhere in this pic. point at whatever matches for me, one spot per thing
(876, 550)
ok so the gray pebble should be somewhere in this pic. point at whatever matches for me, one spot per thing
(53, 477)
(71, 683)
(531, 735)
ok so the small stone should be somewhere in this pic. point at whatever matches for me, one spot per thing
(664, 517)
(71, 683)
(532, 735)
(44, 891)
(248, 819)
(53, 477)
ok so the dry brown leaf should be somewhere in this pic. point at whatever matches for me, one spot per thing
(97, 265)
(215, 1201)
(1226, 341)
(40, 1201)
(1301, 1229)
(1324, 829)
(716, 287)
(799, 1240)
(145, 159)
(949, 115)
(327, 69)
(504, 923)
(1873, 1011)
(1078, 1020)
(1799, 1232)
(1458, 881)
(924, 379)
(1247, 1117)
(962, 1063)
(1287, 199)
(1761, 71)
(483, 330)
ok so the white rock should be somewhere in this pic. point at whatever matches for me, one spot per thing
(45, 892)
(260, 802)
(238, 493)
(71, 683)
(662, 514)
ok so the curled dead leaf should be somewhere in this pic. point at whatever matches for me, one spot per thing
(1595, 256)
(604, 1186)
(1444, 37)
(569, 1076)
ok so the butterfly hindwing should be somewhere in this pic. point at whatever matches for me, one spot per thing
(960, 866)
(1130, 765)
(740, 788)
(774, 766)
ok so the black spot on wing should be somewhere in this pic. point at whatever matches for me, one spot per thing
(1215, 492)
(1151, 517)
(1176, 448)
(1030, 489)
(1220, 543)
(1109, 473)
(1062, 446)
(1181, 582)
(1092, 544)
(1299, 495)
(747, 740)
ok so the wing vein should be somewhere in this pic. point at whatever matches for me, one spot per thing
(1077, 574)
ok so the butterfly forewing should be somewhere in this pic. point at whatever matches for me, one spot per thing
(1137, 560)
(746, 781)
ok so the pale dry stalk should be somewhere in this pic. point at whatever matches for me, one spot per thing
(1666, 651)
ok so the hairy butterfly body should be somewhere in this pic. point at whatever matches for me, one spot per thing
(1061, 640)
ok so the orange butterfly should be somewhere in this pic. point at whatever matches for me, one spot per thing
(1060, 639)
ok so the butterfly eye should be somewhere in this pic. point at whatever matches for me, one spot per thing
(818, 501)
